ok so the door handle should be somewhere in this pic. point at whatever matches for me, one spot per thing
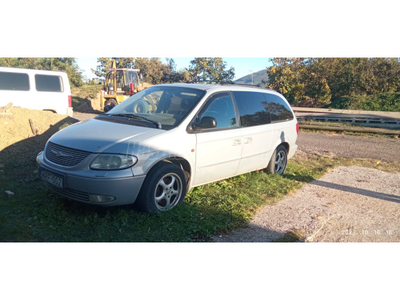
(248, 140)
(236, 142)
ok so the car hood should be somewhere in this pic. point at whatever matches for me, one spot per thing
(99, 136)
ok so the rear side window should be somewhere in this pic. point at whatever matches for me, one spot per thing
(252, 108)
(14, 81)
(48, 83)
(279, 109)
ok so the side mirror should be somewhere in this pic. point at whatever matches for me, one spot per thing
(107, 108)
(205, 123)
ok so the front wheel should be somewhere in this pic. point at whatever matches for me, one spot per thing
(163, 188)
(111, 102)
(278, 162)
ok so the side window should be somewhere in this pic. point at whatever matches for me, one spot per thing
(252, 108)
(110, 83)
(48, 83)
(120, 81)
(130, 76)
(14, 81)
(280, 110)
(221, 108)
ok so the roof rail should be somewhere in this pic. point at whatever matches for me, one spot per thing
(259, 85)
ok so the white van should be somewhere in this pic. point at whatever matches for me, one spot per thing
(158, 144)
(36, 89)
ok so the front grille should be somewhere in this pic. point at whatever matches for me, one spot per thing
(64, 156)
(69, 193)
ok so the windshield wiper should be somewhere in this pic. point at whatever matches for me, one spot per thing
(133, 116)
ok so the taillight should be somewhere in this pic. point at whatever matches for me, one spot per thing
(297, 128)
(69, 101)
(132, 88)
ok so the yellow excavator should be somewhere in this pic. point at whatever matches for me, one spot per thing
(120, 84)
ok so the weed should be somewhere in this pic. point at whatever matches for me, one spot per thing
(291, 236)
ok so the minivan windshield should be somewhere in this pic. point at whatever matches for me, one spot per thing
(166, 106)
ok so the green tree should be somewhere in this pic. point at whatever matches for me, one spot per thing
(210, 69)
(152, 69)
(171, 74)
(318, 81)
(386, 74)
(103, 64)
(360, 76)
(288, 76)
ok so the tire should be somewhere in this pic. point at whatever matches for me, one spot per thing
(111, 102)
(278, 162)
(163, 188)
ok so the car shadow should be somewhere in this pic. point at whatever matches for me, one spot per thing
(364, 192)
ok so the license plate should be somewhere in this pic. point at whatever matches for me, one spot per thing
(52, 178)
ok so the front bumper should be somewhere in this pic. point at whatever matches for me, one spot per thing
(119, 190)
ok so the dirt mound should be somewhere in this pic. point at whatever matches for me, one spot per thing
(23, 132)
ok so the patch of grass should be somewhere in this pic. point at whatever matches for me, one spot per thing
(291, 237)
(364, 134)
(345, 126)
(86, 90)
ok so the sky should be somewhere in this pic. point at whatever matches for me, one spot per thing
(243, 65)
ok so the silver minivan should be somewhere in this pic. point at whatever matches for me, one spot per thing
(161, 142)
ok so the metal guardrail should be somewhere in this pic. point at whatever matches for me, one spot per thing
(352, 129)
(370, 119)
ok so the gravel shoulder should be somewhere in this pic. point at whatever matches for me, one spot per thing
(379, 148)
(348, 204)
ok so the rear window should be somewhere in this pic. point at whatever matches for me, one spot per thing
(14, 81)
(279, 109)
(252, 108)
(48, 83)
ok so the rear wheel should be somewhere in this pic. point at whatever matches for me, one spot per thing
(278, 162)
(163, 188)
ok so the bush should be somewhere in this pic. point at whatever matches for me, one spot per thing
(378, 102)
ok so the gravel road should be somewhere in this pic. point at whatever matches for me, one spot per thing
(379, 148)
(83, 116)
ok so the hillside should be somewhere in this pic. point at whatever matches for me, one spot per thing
(258, 77)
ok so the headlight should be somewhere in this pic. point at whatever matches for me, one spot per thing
(113, 162)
